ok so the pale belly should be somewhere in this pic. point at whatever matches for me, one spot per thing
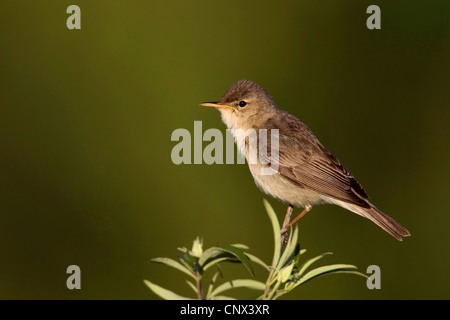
(276, 185)
(282, 189)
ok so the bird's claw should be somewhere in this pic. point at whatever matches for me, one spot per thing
(284, 236)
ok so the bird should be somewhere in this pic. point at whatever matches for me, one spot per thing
(306, 174)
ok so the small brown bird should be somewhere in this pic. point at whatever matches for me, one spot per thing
(306, 172)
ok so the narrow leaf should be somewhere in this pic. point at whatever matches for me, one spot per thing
(164, 293)
(240, 255)
(308, 263)
(174, 264)
(297, 257)
(276, 286)
(330, 269)
(240, 246)
(215, 261)
(286, 272)
(193, 287)
(208, 254)
(186, 257)
(239, 283)
(211, 284)
(276, 231)
(257, 260)
(224, 253)
(289, 249)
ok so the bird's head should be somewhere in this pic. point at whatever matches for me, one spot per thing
(244, 105)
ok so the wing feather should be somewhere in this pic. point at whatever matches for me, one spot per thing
(305, 162)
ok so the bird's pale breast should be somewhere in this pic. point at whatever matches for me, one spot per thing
(279, 187)
(275, 184)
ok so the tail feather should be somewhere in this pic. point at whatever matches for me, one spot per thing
(385, 222)
(376, 216)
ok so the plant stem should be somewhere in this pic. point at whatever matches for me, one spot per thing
(268, 284)
(199, 287)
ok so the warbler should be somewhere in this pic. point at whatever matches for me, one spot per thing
(306, 173)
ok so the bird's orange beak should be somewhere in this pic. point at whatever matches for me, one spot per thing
(216, 105)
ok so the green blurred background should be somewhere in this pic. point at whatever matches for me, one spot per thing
(86, 118)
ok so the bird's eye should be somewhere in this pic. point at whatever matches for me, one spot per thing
(242, 104)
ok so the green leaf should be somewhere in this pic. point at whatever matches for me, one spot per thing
(286, 272)
(193, 287)
(290, 249)
(223, 257)
(297, 257)
(277, 281)
(212, 252)
(174, 264)
(240, 255)
(276, 232)
(239, 283)
(211, 284)
(257, 260)
(240, 246)
(187, 258)
(220, 253)
(308, 263)
(164, 293)
(183, 249)
(330, 269)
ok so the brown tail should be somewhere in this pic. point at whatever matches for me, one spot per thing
(385, 222)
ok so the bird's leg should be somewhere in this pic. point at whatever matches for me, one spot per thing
(287, 225)
(305, 211)
(287, 218)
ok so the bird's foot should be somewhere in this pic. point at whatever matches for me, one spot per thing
(284, 236)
